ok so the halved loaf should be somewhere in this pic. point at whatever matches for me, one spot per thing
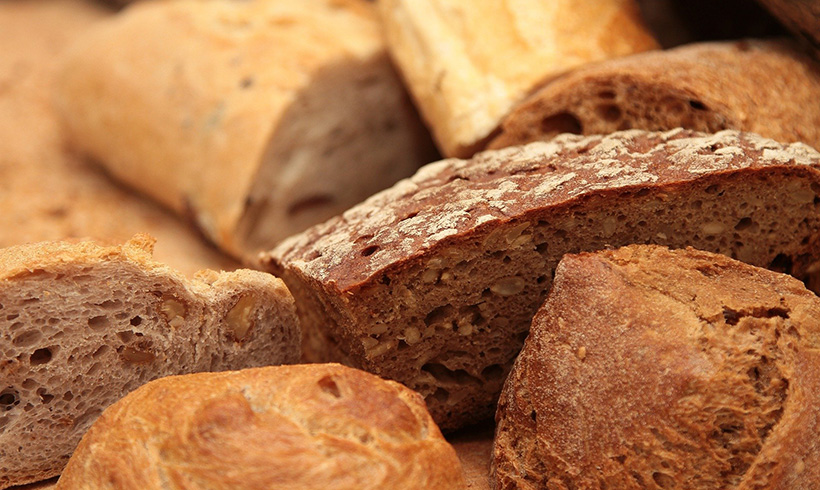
(81, 325)
(651, 368)
(304, 427)
(766, 87)
(434, 282)
(255, 119)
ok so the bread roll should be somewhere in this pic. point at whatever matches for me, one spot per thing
(468, 62)
(255, 119)
(434, 282)
(288, 427)
(651, 368)
(766, 87)
(82, 324)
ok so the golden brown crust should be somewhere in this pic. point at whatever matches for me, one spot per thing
(765, 87)
(651, 368)
(305, 427)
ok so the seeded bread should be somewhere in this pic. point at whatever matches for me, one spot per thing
(286, 427)
(467, 63)
(434, 282)
(766, 87)
(650, 368)
(254, 119)
(82, 324)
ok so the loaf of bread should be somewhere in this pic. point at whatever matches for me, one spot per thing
(468, 62)
(47, 193)
(651, 368)
(82, 324)
(304, 427)
(766, 87)
(801, 16)
(434, 282)
(255, 119)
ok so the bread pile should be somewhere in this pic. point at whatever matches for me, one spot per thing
(638, 220)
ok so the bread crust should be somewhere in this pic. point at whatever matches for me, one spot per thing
(306, 427)
(656, 368)
(434, 282)
(765, 87)
(82, 324)
(801, 16)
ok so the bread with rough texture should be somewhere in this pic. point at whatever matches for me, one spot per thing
(467, 63)
(434, 282)
(83, 324)
(313, 426)
(254, 119)
(766, 87)
(648, 368)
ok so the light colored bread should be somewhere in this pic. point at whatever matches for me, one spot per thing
(468, 62)
(651, 368)
(45, 192)
(434, 282)
(289, 427)
(254, 119)
(81, 325)
(766, 87)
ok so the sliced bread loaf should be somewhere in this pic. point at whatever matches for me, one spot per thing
(82, 324)
(434, 282)
(651, 368)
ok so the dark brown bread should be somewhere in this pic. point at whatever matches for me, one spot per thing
(434, 282)
(656, 369)
(766, 87)
(285, 427)
(801, 16)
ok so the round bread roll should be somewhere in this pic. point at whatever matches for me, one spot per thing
(658, 369)
(316, 426)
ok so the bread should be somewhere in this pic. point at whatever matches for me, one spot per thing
(473, 446)
(82, 324)
(651, 368)
(288, 427)
(47, 193)
(766, 87)
(254, 119)
(434, 282)
(801, 16)
(468, 62)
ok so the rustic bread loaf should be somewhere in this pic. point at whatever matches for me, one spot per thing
(302, 427)
(81, 325)
(766, 87)
(256, 119)
(651, 368)
(468, 62)
(434, 282)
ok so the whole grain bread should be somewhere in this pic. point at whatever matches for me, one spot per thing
(434, 282)
(82, 324)
(648, 368)
(766, 87)
(467, 63)
(287, 427)
(254, 119)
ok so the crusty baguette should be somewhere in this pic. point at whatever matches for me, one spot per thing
(301, 427)
(766, 87)
(468, 62)
(255, 119)
(81, 325)
(650, 368)
(434, 282)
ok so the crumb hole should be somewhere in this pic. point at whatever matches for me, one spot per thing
(8, 399)
(329, 386)
(136, 321)
(98, 322)
(744, 224)
(563, 122)
(663, 480)
(697, 105)
(609, 112)
(40, 356)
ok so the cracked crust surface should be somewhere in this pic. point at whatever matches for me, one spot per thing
(308, 427)
(657, 368)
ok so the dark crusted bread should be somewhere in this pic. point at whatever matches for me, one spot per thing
(305, 427)
(434, 282)
(658, 369)
(766, 87)
(81, 325)
(801, 16)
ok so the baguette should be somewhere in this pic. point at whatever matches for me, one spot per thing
(434, 282)
(82, 324)
(651, 368)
